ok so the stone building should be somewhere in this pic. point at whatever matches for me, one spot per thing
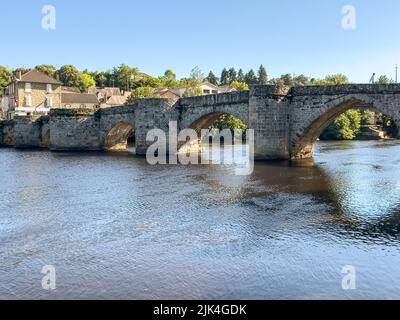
(79, 101)
(32, 93)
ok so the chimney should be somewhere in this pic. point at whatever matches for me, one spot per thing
(18, 75)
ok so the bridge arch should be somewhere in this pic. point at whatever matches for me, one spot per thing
(205, 121)
(303, 141)
(117, 137)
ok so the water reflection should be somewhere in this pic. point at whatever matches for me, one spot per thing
(116, 227)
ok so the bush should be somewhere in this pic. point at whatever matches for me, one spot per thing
(345, 127)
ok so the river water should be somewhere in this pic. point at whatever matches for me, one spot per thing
(115, 227)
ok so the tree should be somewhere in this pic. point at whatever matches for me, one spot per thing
(224, 77)
(197, 74)
(168, 80)
(251, 78)
(301, 80)
(140, 93)
(366, 116)
(335, 79)
(47, 69)
(5, 78)
(227, 121)
(70, 76)
(240, 86)
(193, 88)
(241, 77)
(262, 75)
(125, 76)
(86, 82)
(232, 75)
(384, 80)
(101, 79)
(22, 70)
(212, 78)
(169, 75)
(345, 127)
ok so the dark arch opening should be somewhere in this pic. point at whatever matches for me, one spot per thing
(304, 146)
(120, 137)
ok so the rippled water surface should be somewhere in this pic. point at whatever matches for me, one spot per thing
(115, 227)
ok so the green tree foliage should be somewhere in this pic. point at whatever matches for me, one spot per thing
(289, 80)
(47, 69)
(212, 78)
(241, 77)
(384, 80)
(224, 77)
(285, 79)
(366, 116)
(168, 80)
(193, 88)
(169, 75)
(86, 82)
(141, 93)
(227, 121)
(232, 75)
(124, 76)
(197, 74)
(345, 127)
(22, 70)
(240, 86)
(262, 75)
(335, 79)
(251, 78)
(302, 80)
(5, 78)
(70, 76)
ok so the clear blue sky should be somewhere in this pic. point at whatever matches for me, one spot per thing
(287, 36)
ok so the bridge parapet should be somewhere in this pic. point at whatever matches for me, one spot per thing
(236, 97)
(270, 91)
(345, 89)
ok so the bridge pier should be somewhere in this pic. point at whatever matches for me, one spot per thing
(269, 118)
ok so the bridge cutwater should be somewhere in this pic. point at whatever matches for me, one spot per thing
(286, 121)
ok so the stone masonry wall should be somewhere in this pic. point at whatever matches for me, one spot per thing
(269, 118)
(30, 131)
(74, 130)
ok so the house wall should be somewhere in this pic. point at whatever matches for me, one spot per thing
(38, 94)
(66, 105)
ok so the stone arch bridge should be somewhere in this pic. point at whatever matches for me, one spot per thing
(286, 120)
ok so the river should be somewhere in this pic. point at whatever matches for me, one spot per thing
(115, 227)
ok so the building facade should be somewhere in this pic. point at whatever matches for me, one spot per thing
(79, 101)
(31, 93)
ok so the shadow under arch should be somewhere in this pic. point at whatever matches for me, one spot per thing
(304, 146)
(205, 122)
(118, 136)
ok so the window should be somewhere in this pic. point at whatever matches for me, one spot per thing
(215, 91)
(28, 87)
(206, 91)
(49, 102)
(49, 88)
(28, 101)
